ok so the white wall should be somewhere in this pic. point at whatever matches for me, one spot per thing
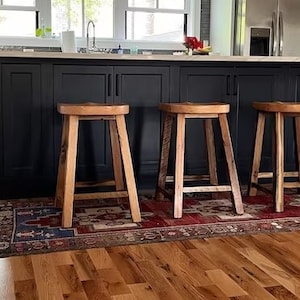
(222, 26)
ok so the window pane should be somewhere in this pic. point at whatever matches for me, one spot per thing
(167, 4)
(66, 15)
(19, 2)
(154, 26)
(101, 12)
(171, 4)
(17, 23)
(142, 3)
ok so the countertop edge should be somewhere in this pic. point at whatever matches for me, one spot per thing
(141, 57)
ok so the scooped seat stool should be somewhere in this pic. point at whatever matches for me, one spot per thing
(278, 110)
(207, 112)
(121, 157)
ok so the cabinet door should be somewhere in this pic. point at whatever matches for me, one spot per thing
(143, 88)
(24, 141)
(257, 84)
(292, 83)
(79, 84)
(203, 84)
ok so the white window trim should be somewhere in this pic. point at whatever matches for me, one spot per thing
(44, 6)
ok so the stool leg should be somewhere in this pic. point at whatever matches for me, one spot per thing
(235, 187)
(128, 169)
(116, 155)
(179, 166)
(257, 153)
(60, 185)
(278, 175)
(211, 153)
(164, 156)
(66, 176)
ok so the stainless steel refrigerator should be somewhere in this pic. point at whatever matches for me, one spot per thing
(267, 27)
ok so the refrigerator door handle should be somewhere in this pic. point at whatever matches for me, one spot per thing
(274, 34)
(280, 34)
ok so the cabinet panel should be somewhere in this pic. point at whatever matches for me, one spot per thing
(253, 84)
(26, 142)
(143, 88)
(79, 84)
(22, 120)
(202, 84)
(293, 95)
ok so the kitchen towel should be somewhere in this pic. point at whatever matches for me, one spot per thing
(68, 42)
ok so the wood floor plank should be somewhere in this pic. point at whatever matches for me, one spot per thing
(212, 292)
(143, 291)
(22, 268)
(280, 275)
(261, 277)
(126, 265)
(48, 285)
(179, 263)
(245, 267)
(281, 293)
(281, 255)
(158, 282)
(84, 265)
(26, 290)
(114, 282)
(225, 261)
(69, 282)
(229, 287)
(7, 291)
(61, 258)
(96, 288)
(100, 258)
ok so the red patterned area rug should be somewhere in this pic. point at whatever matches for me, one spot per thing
(30, 226)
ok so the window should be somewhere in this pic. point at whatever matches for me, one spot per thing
(17, 17)
(161, 20)
(74, 15)
(122, 20)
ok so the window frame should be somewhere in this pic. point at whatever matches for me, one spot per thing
(120, 11)
(193, 8)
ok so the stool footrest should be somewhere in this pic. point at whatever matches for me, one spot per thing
(270, 174)
(84, 184)
(287, 185)
(189, 178)
(290, 185)
(101, 195)
(203, 189)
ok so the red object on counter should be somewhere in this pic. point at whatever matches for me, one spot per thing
(192, 42)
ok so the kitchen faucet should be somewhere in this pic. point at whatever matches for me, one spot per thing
(88, 37)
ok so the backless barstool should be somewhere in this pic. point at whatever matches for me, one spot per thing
(279, 110)
(206, 111)
(65, 190)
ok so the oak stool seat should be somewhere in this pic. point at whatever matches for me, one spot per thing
(207, 112)
(278, 110)
(121, 157)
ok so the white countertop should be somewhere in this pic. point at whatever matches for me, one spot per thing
(19, 54)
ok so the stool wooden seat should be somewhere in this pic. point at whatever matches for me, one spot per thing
(65, 190)
(279, 110)
(207, 112)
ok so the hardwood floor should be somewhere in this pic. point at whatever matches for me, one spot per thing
(241, 267)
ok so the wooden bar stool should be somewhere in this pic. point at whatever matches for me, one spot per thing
(279, 110)
(207, 112)
(65, 190)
